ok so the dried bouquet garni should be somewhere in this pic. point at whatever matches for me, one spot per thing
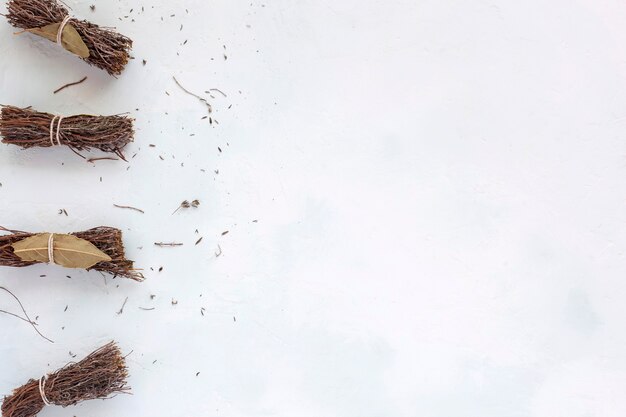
(50, 19)
(101, 375)
(28, 128)
(100, 249)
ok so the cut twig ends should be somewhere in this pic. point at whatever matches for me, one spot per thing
(106, 49)
(107, 240)
(28, 128)
(100, 375)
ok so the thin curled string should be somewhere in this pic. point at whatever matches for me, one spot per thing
(51, 248)
(61, 27)
(42, 387)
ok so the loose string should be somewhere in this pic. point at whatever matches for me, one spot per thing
(55, 134)
(60, 31)
(42, 386)
(51, 248)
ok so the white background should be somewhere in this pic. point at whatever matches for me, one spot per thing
(439, 187)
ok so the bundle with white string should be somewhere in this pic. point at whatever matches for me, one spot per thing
(100, 249)
(103, 48)
(100, 375)
(28, 128)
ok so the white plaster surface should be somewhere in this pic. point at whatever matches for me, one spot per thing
(439, 188)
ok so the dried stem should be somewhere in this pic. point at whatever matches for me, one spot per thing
(202, 99)
(63, 87)
(129, 207)
(27, 319)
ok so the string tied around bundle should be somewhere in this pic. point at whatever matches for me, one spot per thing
(66, 19)
(51, 248)
(55, 133)
(42, 389)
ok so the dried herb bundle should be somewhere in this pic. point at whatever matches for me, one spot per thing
(99, 375)
(101, 47)
(108, 240)
(28, 128)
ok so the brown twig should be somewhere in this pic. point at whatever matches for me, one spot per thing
(167, 244)
(219, 91)
(104, 158)
(69, 85)
(121, 310)
(130, 208)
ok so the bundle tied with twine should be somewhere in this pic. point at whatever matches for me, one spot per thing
(99, 376)
(100, 249)
(101, 47)
(28, 128)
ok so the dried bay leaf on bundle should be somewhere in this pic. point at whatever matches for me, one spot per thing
(70, 38)
(68, 251)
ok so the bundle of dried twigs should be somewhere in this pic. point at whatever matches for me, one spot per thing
(101, 47)
(28, 128)
(99, 375)
(106, 240)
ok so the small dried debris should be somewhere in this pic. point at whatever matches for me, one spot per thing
(123, 305)
(129, 207)
(186, 204)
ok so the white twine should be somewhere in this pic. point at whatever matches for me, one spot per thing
(51, 248)
(61, 27)
(56, 134)
(59, 130)
(42, 386)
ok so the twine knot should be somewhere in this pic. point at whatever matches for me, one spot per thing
(42, 387)
(55, 133)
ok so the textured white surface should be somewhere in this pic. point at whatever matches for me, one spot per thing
(439, 188)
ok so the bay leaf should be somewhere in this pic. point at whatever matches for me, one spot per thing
(70, 38)
(69, 251)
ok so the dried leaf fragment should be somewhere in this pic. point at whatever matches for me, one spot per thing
(68, 251)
